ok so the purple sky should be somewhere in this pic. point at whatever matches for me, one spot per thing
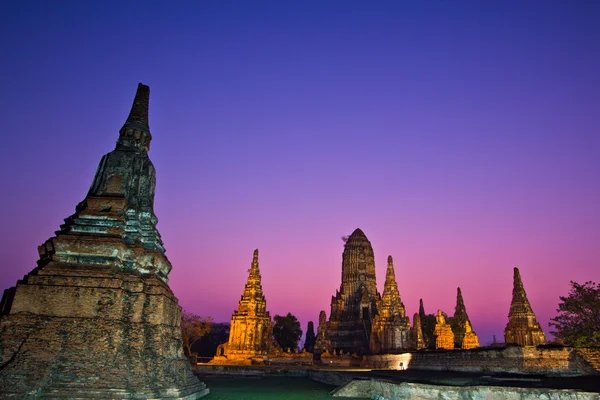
(462, 137)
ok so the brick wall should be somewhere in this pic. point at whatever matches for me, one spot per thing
(527, 360)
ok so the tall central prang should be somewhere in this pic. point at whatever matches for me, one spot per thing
(354, 306)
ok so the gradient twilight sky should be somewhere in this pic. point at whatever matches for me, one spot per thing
(462, 137)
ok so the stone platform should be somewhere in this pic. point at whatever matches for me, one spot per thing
(94, 332)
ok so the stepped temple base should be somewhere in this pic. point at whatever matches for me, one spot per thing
(77, 332)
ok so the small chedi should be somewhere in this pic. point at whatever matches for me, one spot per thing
(470, 339)
(459, 324)
(417, 332)
(322, 342)
(391, 327)
(522, 328)
(251, 331)
(96, 318)
(444, 338)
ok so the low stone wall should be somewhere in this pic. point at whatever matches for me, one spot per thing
(381, 390)
(562, 361)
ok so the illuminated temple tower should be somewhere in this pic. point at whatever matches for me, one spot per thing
(251, 331)
(522, 327)
(355, 305)
(391, 327)
(96, 318)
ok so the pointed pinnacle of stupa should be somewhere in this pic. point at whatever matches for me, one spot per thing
(136, 131)
(390, 275)
(460, 304)
(517, 281)
(518, 288)
(254, 271)
(519, 297)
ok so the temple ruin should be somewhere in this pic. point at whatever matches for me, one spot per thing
(251, 331)
(322, 342)
(522, 328)
(470, 339)
(355, 305)
(444, 337)
(361, 320)
(96, 317)
(460, 322)
(391, 327)
(417, 333)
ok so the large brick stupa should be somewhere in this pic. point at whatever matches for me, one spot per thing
(96, 318)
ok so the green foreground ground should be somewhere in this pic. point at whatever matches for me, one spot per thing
(265, 388)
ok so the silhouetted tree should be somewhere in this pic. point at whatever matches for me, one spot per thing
(309, 343)
(287, 332)
(578, 320)
(207, 345)
(193, 327)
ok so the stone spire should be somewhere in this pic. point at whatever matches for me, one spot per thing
(391, 327)
(96, 318)
(251, 331)
(120, 203)
(522, 327)
(253, 300)
(460, 321)
(417, 333)
(460, 309)
(310, 338)
(391, 303)
(322, 342)
(135, 133)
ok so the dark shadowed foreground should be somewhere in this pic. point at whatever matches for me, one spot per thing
(271, 388)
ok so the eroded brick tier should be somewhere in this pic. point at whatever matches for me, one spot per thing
(522, 328)
(96, 318)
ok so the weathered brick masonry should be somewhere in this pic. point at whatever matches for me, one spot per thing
(565, 361)
(96, 318)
